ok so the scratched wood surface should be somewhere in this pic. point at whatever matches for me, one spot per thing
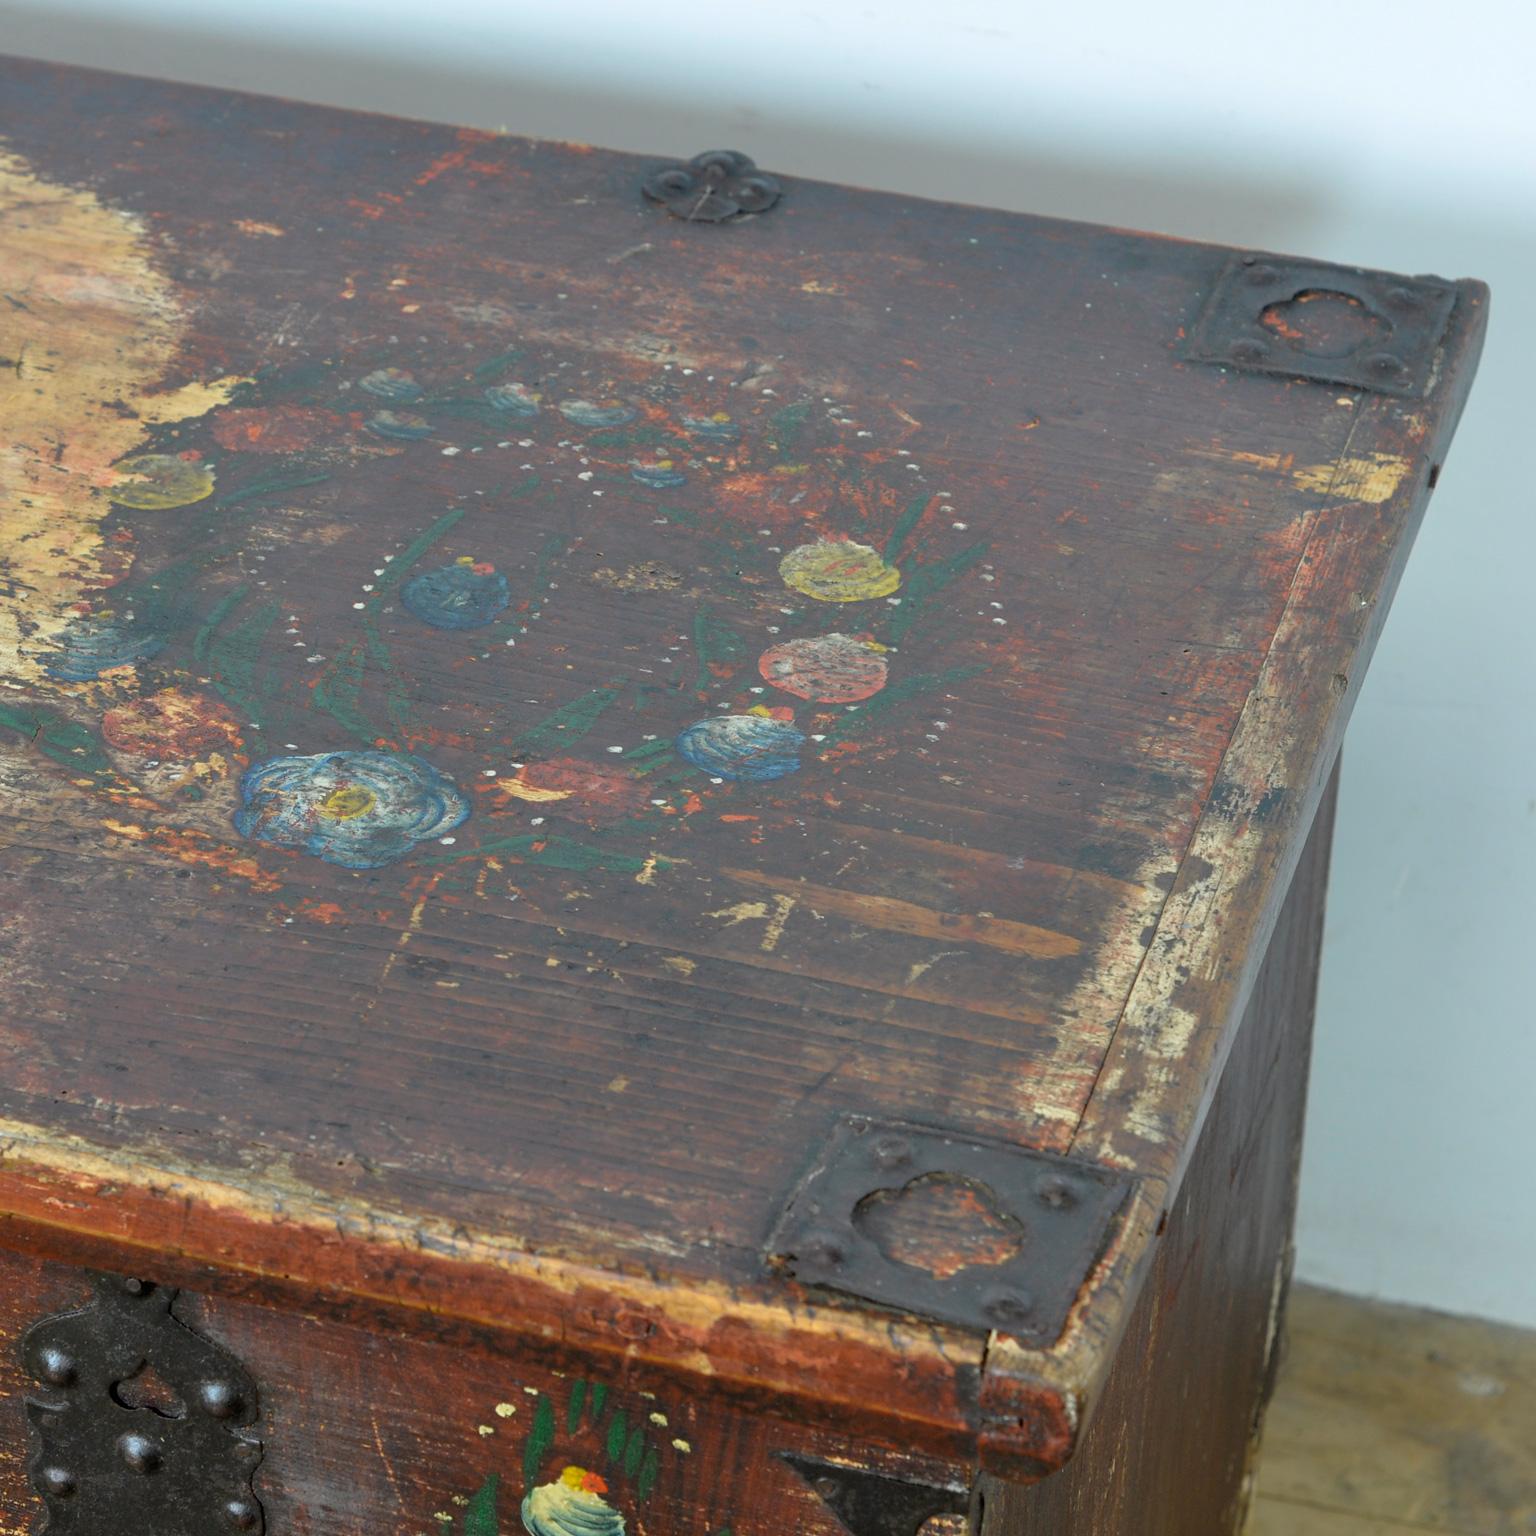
(1173, 1438)
(520, 712)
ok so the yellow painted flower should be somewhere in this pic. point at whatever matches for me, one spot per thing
(153, 482)
(839, 571)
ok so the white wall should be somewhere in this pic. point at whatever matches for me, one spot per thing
(1396, 135)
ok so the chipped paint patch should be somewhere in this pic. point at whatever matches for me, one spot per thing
(1371, 477)
(91, 320)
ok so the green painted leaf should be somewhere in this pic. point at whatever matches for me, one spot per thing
(650, 1470)
(494, 367)
(480, 1517)
(394, 573)
(786, 425)
(540, 1437)
(634, 1451)
(924, 584)
(568, 724)
(599, 1398)
(574, 1407)
(269, 485)
(62, 741)
(232, 656)
(683, 515)
(904, 526)
(853, 722)
(714, 643)
(618, 1435)
(337, 692)
(220, 611)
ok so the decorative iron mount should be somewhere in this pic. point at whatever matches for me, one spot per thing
(984, 1235)
(143, 1425)
(872, 1504)
(717, 185)
(1333, 325)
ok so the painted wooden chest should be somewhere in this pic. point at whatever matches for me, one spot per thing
(663, 830)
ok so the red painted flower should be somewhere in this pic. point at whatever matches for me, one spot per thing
(589, 792)
(271, 428)
(174, 726)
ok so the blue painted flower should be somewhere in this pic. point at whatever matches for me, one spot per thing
(713, 429)
(584, 413)
(357, 809)
(94, 644)
(753, 747)
(658, 475)
(463, 595)
(514, 399)
(392, 384)
(402, 426)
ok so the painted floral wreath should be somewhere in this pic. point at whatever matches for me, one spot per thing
(365, 806)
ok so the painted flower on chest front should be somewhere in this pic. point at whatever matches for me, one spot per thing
(361, 810)
(572, 1505)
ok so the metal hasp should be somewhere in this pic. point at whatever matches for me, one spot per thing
(871, 1504)
(1333, 325)
(981, 1234)
(717, 185)
(142, 1424)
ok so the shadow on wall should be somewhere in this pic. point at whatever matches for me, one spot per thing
(955, 169)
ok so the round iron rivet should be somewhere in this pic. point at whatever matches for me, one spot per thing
(1260, 275)
(1007, 1308)
(1248, 351)
(822, 1248)
(139, 1451)
(242, 1514)
(135, 1287)
(55, 1367)
(1384, 364)
(220, 1399)
(892, 1151)
(1057, 1192)
(58, 1481)
(1404, 298)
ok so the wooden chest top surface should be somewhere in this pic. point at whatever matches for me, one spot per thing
(522, 712)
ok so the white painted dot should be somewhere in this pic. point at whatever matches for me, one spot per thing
(359, 605)
(447, 839)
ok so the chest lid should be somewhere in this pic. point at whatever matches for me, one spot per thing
(687, 762)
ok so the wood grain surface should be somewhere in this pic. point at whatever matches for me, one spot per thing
(1173, 1437)
(521, 712)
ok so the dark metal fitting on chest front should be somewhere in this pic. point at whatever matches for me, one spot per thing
(142, 1425)
(717, 185)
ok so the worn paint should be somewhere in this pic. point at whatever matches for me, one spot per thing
(1372, 478)
(91, 320)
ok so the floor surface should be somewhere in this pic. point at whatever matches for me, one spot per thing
(1390, 1421)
